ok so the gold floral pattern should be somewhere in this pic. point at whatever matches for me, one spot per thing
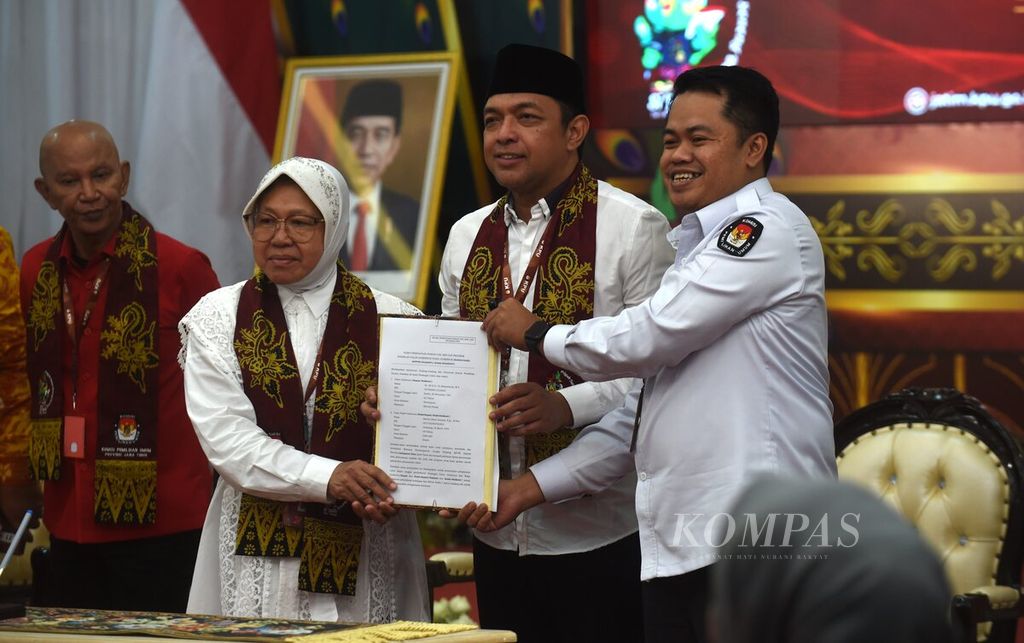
(888, 241)
(351, 293)
(584, 190)
(45, 304)
(566, 286)
(476, 291)
(541, 446)
(133, 245)
(262, 352)
(346, 377)
(130, 339)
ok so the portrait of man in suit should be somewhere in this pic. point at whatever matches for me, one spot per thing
(383, 226)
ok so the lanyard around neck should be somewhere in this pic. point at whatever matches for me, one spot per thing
(531, 268)
(75, 331)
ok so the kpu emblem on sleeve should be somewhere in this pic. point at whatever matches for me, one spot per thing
(740, 236)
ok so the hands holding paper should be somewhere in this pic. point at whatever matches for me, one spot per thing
(521, 409)
(366, 487)
(514, 497)
(538, 411)
(528, 408)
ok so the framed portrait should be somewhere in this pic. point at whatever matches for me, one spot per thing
(385, 122)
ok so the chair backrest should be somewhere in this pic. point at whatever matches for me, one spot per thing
(945, 464)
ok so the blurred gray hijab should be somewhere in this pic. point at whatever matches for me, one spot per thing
(328, 191)
(885, 584)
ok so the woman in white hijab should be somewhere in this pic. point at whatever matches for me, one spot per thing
(300, 524)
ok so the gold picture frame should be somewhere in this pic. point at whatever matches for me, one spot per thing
(405, 191)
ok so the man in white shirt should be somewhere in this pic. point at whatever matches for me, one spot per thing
(569, 247)
(732, 349)
(384, 221)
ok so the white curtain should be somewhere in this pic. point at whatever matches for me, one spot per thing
(140, 68)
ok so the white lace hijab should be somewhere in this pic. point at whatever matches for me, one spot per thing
(329, 192)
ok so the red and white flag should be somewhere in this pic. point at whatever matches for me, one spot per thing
(190, 89)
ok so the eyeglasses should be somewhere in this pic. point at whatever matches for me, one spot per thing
(264, 226)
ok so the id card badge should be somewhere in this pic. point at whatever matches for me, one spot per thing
(74, 436)
(292, 514)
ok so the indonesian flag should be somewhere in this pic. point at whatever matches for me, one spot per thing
(190, 90)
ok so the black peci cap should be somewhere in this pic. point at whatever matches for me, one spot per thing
(536, 70)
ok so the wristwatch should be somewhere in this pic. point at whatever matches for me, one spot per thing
(534, 336)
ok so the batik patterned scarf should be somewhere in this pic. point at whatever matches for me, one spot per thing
(127, 418)
(564, 286)
(329, 537)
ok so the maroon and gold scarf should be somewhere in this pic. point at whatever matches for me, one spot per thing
(126, 471)
(329, 536)
(564, 289)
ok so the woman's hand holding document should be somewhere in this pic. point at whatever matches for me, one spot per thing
(434, 436)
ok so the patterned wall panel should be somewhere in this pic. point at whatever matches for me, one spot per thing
(925, 278)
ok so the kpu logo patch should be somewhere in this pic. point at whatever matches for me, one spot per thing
(740, 236)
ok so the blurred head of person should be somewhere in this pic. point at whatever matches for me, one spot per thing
(822, 560)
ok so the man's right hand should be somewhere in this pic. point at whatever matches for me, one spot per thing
(514, 497)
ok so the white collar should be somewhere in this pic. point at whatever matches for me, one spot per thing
(745, 199)
(705, 220)
(539, 209)
(318, 298)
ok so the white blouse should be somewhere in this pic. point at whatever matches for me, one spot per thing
(391, 582)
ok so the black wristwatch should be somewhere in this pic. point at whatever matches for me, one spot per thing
(534, 336)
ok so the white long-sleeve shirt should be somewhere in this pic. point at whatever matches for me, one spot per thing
(631, 255)
(733, 349)
(391, 581)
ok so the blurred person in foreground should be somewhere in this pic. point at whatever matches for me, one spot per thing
(838, 566)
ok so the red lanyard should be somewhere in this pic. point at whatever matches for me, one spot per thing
(315, 377)
(531, 268)
(527, 280)
(75, 333)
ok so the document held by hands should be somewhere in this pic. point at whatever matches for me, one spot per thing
(435, 438)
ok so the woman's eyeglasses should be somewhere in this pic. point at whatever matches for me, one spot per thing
(264, 226)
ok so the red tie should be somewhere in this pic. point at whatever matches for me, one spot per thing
(358, 255)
